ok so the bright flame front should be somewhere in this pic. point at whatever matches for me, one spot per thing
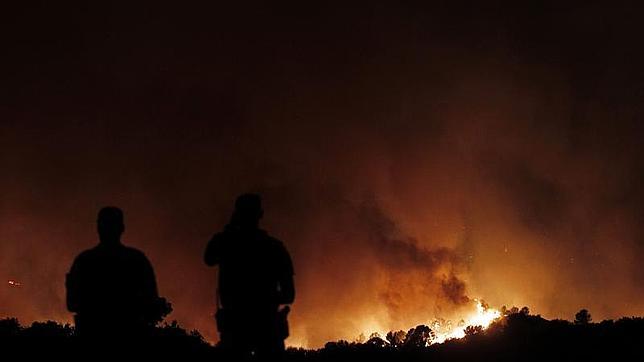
(483, 316)
(443, 330)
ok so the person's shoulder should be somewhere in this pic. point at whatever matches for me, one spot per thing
(86, 255)
(87, 258)
(129, 254)
(134, 253)
(280, 254)
(274, 242)
(221, 235)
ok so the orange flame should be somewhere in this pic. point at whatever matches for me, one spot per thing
(444, 330)
(483, 316)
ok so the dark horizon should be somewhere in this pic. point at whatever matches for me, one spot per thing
(419, 155)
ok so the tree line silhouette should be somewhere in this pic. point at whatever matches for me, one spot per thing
(517, 335)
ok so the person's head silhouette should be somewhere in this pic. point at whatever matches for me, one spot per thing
(248, 210)
(110, 225)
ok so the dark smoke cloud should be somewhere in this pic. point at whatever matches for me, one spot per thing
(402, 253)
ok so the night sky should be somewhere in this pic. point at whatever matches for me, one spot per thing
(411, 155)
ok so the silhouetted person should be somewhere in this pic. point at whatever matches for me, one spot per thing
(111, 287)
(255, 278)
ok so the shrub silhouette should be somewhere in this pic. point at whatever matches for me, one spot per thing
(473, 330)
(9, 327)
(419, 337)
(583, 317)
(397, 338)
(48, 329)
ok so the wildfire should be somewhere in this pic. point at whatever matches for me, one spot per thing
(483, 316)
(14, 283)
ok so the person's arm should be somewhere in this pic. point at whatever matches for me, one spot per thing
(150, 290)
(212, 256)
(73, 288)
(153, 308)
(286, 284)
(287, 290)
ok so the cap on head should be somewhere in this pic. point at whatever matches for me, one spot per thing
(110, 223)
(248, 208)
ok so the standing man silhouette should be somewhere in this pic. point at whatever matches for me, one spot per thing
(255, 279)
(111, 287)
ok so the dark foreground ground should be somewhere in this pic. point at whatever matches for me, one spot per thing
(516, 337)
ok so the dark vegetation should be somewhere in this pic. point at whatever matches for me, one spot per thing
(518, 336)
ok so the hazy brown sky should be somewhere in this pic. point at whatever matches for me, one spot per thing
(410, 155)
